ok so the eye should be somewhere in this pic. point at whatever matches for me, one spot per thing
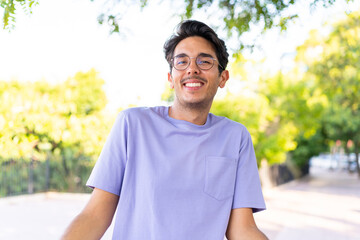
(181, 61)
(204, 61)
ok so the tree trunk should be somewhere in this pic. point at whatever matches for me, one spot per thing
(31, 177)
(348, 161)
(66, 169)
(47, 172)
(356, 144)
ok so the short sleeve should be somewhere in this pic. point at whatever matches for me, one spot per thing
(108, 171)
(248, 193)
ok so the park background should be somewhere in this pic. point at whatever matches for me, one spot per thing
(64, 77)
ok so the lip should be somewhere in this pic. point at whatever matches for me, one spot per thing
(193, 84)
(195, 80)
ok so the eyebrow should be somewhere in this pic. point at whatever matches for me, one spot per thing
(200, 54)
(205, 55)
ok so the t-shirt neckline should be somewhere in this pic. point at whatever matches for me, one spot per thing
(185, 124)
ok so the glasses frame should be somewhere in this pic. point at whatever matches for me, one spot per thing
(214, 59)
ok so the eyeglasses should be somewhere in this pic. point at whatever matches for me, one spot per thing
(203, 62)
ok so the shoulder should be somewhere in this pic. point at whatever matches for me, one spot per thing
(133, 112)
(140, 114)
(229, 125)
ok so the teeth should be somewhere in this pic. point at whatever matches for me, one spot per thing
(193, 84)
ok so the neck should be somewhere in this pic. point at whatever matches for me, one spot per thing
(194, 115)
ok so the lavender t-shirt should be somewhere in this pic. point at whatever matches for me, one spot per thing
(176, 180)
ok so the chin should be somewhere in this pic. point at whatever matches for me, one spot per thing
(197, 104)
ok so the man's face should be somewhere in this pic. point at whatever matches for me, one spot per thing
(194, 87)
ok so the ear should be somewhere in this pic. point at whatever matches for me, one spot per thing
(223, 78)
(170, 80)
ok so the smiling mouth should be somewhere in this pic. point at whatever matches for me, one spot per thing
(193, 81)
(193, 84)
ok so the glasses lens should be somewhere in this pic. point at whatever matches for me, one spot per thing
(204, 63)
(181, 62)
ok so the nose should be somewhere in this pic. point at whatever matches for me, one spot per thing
(193, 67)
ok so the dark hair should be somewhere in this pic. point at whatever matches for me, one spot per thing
(191, 28)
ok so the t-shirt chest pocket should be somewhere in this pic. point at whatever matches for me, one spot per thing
(220, 176)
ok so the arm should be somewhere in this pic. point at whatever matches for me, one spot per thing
(96, 217)
(242, 226)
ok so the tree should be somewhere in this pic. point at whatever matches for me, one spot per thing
(237, 16)
(335, 69)
(298, 108)
(10, 7)
(64, 123)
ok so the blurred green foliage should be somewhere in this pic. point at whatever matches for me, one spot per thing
(65, 123)
(11, 6)
(334, 68)
(168, 94)
(237, 17)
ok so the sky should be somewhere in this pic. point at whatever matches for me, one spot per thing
(61, 38)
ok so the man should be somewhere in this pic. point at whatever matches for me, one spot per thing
(179, 172)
